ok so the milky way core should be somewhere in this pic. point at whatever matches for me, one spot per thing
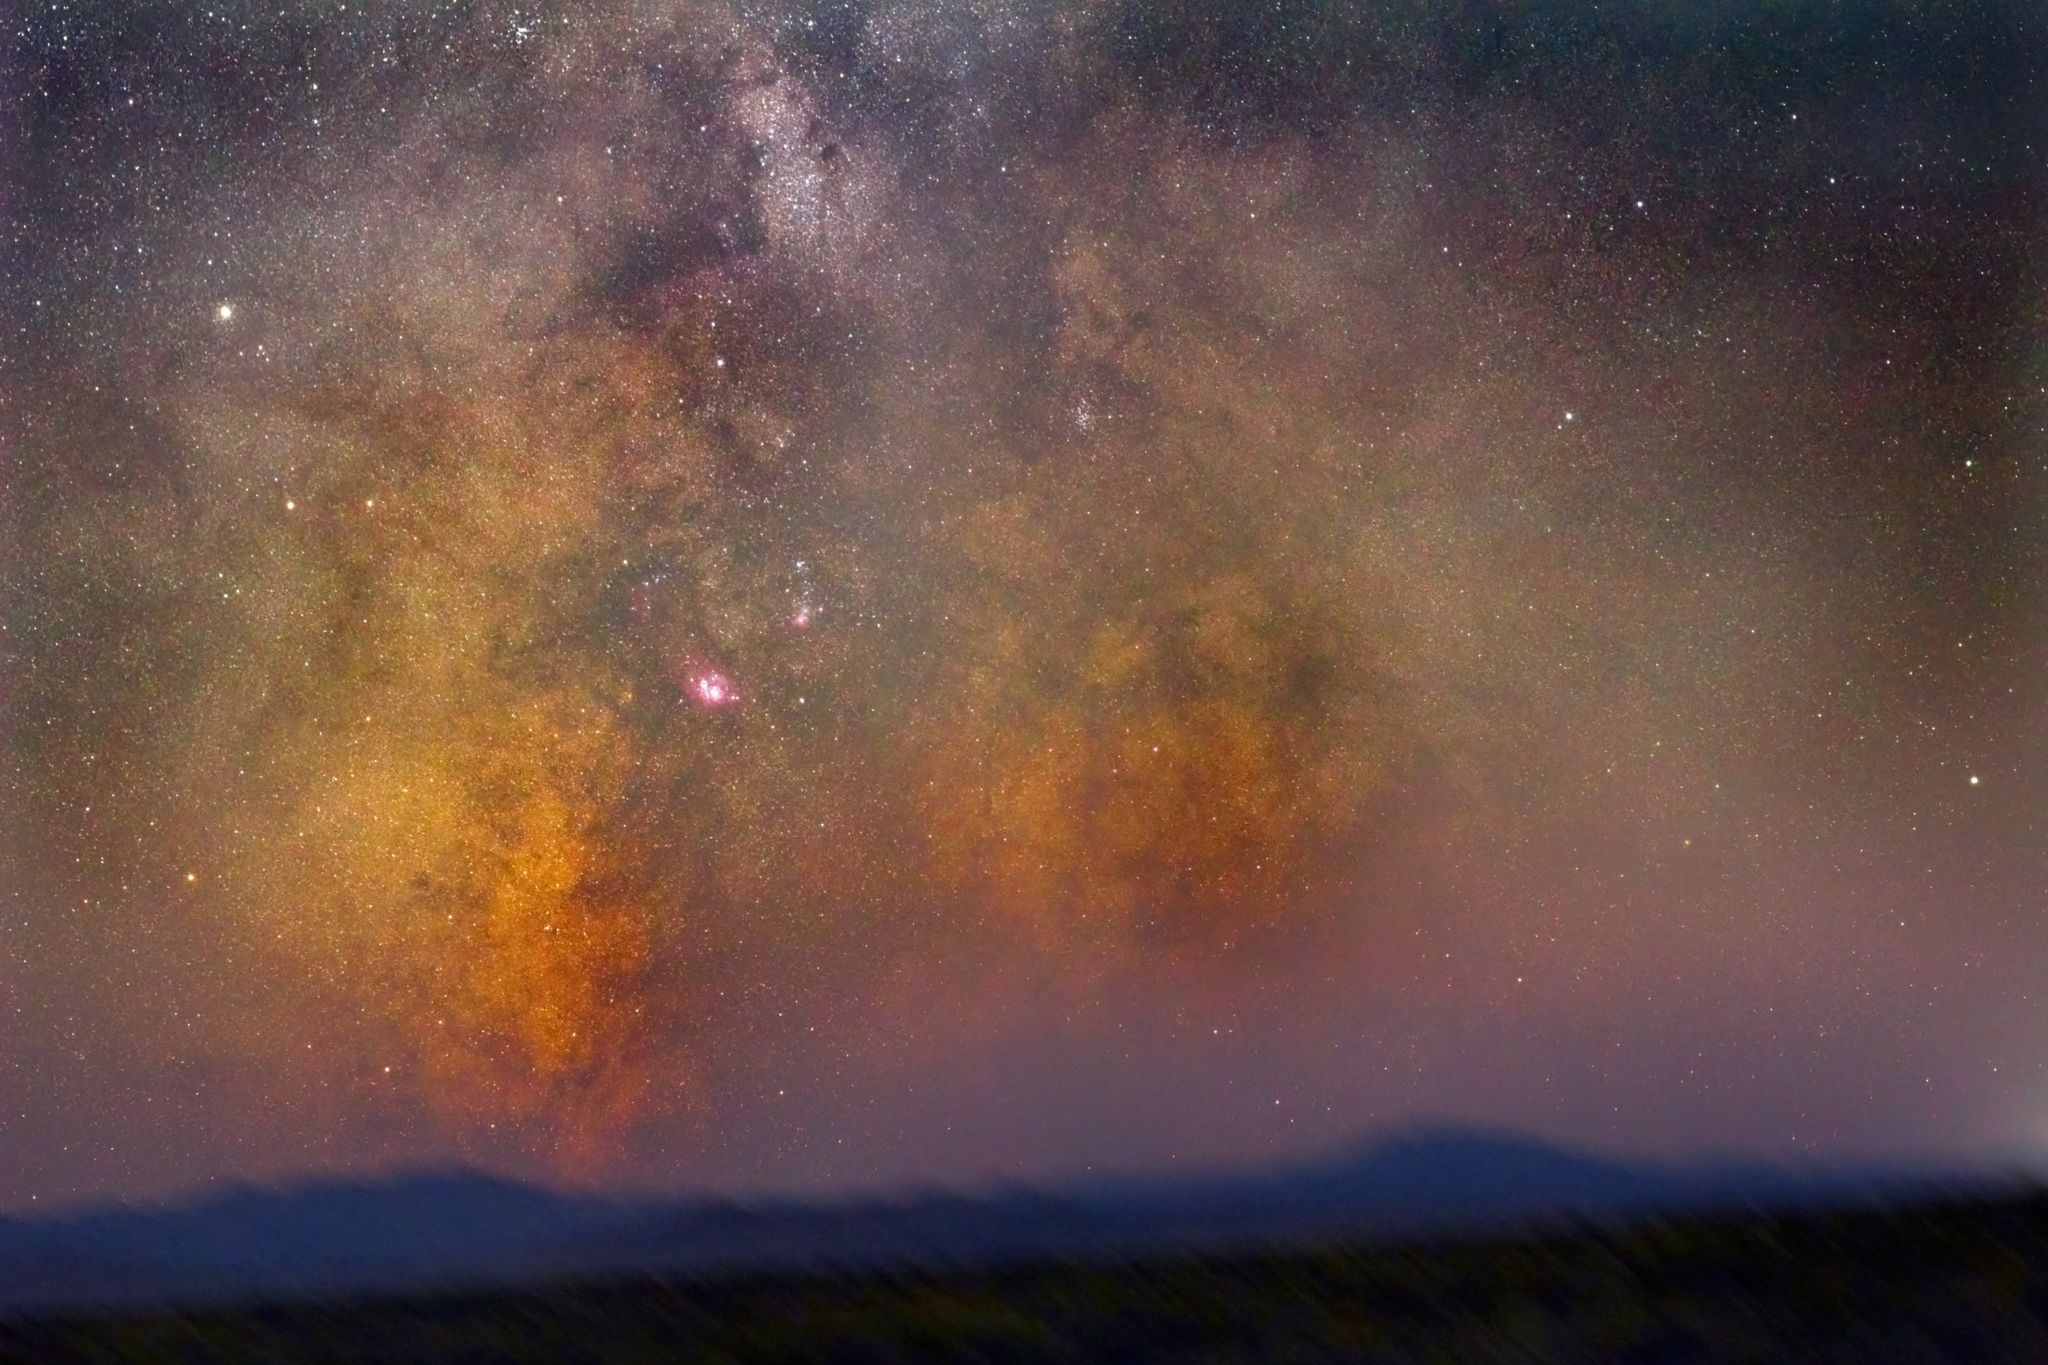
(816, 594)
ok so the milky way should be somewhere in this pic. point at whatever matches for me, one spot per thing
(832, 593)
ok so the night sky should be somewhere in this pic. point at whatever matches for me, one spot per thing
(820, 595)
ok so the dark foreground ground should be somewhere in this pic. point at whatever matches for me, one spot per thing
(1953, 1281)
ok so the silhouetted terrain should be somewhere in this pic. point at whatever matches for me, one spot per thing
(1949, 1281)
(445, 1230)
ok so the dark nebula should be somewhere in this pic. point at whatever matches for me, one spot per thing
(825, 594)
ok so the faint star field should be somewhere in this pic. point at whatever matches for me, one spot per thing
(816, 593)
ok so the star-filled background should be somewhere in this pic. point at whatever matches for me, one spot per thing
(660, 593)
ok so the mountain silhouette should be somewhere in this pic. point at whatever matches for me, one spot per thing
(441, 1228)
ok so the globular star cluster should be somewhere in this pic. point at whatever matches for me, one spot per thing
(833, 590)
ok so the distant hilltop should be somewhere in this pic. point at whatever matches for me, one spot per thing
(445, 1228)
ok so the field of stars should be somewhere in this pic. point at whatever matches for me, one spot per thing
(820, 594)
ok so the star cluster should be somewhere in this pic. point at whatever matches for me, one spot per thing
(834, 590)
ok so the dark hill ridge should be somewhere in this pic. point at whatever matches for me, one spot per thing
(456, 1227)
(1941, 1279)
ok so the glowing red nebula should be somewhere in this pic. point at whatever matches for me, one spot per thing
(712, 689)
